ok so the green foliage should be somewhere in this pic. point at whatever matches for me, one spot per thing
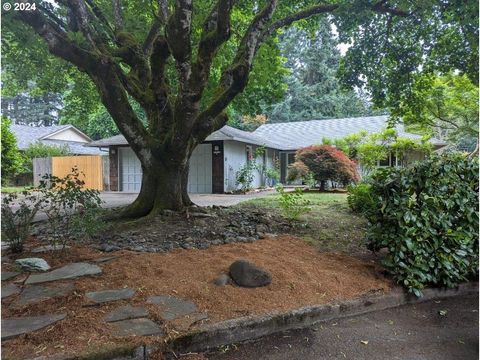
(16, 224)
(11, 156)
(41, 150)
(314, 92)
(326, 163)
(293, 204)
(36, 110)
(427, 217)
(360, 198)
(368, 149)
(445, 107)
(245, 176)
(71, 210)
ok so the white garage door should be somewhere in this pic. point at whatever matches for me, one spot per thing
(199, 177)
(130, 170)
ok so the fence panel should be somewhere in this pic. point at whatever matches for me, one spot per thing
(41, 167)
(90, 166)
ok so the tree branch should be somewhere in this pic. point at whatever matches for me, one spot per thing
(117, 14)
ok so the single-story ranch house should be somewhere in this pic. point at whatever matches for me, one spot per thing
(215, 162)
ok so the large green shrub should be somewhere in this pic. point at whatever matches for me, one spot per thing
(360, 197)
(427, 217)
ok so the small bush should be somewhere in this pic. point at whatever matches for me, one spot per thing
(245, 176)
(72, 211)
(292, 203)
(360, 198)
(16, 224)
(427, 217)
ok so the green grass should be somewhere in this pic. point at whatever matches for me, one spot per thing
(13, 189)
(329, 226)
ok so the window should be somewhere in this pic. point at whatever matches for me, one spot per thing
(249, 150)
(391, 160)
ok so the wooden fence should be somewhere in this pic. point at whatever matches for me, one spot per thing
(90, 167)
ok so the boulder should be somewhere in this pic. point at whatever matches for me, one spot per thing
(246, 274)
(222, 280)
(33, 264)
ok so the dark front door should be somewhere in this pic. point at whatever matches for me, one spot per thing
(217, 167)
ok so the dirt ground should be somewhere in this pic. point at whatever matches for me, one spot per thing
(301, 276)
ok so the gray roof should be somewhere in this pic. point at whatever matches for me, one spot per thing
(294, 135)
(27, 135)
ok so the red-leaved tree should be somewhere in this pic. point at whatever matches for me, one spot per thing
(325, 163)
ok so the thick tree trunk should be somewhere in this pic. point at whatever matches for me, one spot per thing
(163, 187)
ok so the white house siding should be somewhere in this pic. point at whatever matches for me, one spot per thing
(235, 154)
(68, 135)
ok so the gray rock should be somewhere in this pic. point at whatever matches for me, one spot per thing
(110, 295)
(69, 271)
(33, 264)
(109, 248)
(8, 275)
(4, 245)
(9, 290)
(104, 259)
(47, 248)
(172, 307)
(222, 280)
(38, 293)
(137, 327)
(247, 274)
(125, 313)
(18, 326)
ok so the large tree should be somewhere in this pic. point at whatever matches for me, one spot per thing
(184, 62)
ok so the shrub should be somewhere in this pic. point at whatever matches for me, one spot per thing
(41, 150)
(244, 176)
(292, 203)
(11, 157)
(327, 163)
(272, 176)
(16, 224)
(360, 198)
(427, 217)
(69, 207)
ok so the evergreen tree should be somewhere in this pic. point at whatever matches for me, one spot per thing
(313, 89)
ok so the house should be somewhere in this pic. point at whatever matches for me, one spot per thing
(58, 135)
(215, 162)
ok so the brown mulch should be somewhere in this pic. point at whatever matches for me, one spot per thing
(301, 276)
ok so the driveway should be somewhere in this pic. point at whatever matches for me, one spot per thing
(436, 330)
(116, 199)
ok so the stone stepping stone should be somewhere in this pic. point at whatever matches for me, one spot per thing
(8, 275)
(110, 295)
(37, 293)
(33, 264)
(18, 326)
(104, 259)
(9, 290)
(126, 313)
(47, 248)
(69, 271)
(172, 307)
(137, 327)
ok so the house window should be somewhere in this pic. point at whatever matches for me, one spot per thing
(391, 160)
(249, 149)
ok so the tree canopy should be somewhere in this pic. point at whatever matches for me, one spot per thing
(11, 157)
(185, 63)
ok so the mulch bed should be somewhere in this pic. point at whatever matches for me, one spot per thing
(301, 276)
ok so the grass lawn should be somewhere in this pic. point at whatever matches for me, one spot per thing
(13, 189)
(329, 226)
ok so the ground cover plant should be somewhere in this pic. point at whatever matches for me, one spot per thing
(328, 226)
(427, 217)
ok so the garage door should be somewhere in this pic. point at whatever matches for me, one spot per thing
(131, 170)
(199, 177)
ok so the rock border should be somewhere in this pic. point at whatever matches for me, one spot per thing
(253, 327)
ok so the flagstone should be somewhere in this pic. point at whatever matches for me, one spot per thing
(69, 271)
(17, 326)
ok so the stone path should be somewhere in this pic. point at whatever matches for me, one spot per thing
(67, 272)
(9, 290)
(47, 248)
(17, 326)
(126, 313)
(33, 264)
(8, 275)
(38, 293)
(109, 295)
(124, 320)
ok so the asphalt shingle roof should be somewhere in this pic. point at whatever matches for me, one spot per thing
(294, 135)
(27, 135)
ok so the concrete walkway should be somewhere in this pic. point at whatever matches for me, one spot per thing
(436, 330)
